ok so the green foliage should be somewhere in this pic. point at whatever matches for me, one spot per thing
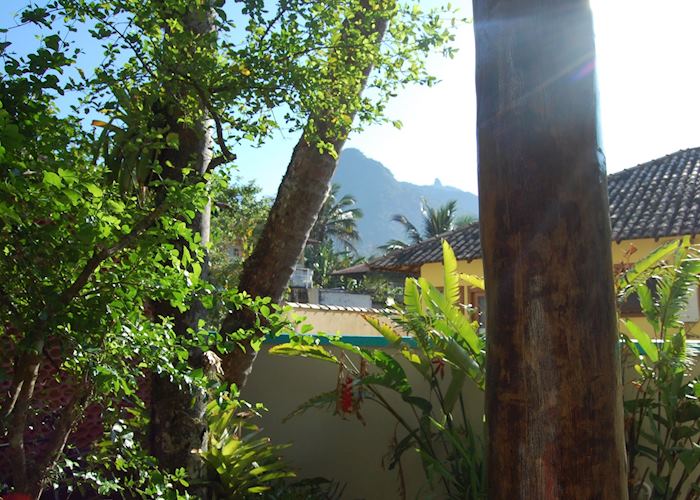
(96, 223)
(444, 350)
(436, 221)
(337, 221)
(335, 227)
(383, 290)
(240, 213)
(662, 419)
(118, 464)
(241, 462)
(82, 258)
(323, 258)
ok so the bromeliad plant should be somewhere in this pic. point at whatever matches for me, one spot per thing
(446, 351)
(242, 463)
(662, 419)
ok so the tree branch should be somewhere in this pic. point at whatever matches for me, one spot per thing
(70, 416)
(206, 102)
(26, 368)
(220, 160)
(98, 258)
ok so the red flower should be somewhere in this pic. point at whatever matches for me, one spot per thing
(439, 367)
(346, 395)
(15, 496)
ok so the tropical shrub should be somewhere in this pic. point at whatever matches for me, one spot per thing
(241, 462)
(663, 416)
(237, 220)
(383, 290)
(445, 350)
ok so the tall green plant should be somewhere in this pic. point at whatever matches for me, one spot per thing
(445, 350)
(662, 419)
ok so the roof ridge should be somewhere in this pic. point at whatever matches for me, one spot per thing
(651, 162)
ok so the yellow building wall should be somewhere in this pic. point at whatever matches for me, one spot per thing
(433, 272)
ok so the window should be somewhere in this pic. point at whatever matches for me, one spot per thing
(477, 299)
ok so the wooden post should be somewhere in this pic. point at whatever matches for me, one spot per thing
(553, 402)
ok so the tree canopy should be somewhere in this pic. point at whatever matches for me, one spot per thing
(435, 221)
(110, 131)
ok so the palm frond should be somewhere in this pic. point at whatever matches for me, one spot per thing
(392, 245)
(411, 230)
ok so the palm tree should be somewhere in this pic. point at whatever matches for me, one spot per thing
(435, 222)
(337, 220)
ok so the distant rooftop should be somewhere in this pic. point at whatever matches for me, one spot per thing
(657, 199)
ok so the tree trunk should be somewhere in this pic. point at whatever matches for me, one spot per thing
(267, 271)
(177, 423)
(300, 197)
(553, 398)
(177, 412)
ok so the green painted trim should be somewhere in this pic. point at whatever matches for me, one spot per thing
(356, 340)
(378, 341)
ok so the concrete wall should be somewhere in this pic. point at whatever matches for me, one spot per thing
(334, 320)
(344, 449)
(329, 446)
(345, 299)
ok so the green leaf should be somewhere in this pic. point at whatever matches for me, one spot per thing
(172, 140)
(392, 376)
(307, 351)
(690, 458)
(387, 332)
(451, 290)
(473, 281)
(94, 190)
(458, 356)
(454, 389)
(323, 400)
(72, 195)
(52, 41)
(52, 179)
(648, 262)
(689, 412)
(230, 448)
(423, 404)
(411, 296)
(644, 341)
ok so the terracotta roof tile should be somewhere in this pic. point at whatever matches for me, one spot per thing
(653, 200)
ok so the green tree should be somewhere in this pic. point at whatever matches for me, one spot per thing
(335, 227)
(435, 221)
(365, 44)
(661, 419)
(323, 258)
(337, 220)
(81, 255)
(106, 236)
(239, 214)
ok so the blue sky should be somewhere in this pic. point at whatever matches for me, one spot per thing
(648, 81)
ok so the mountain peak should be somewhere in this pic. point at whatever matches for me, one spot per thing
(380, 196)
